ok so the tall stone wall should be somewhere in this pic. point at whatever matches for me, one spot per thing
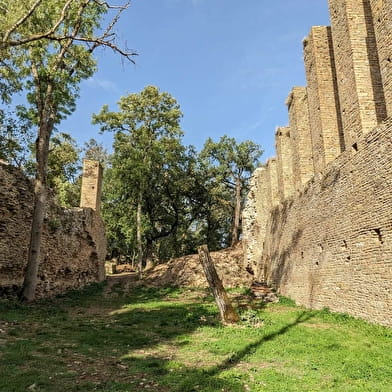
(302, 154)
(328, 242)
(285, 170)
(257, 207)
(361, 94)
(73, 245)
(381, 11)
(324, 108)
(272, 181)
(332, 246)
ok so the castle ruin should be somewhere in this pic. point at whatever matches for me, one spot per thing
(317, 225)
(73, 247)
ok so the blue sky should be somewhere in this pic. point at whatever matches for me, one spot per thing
(230, 64)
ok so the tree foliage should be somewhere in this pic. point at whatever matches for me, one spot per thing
(162, 199)
(46, 50)
(148, 169)
(230, 164)
(16, 138)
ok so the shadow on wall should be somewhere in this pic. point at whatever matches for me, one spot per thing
(282, 263)
(280, 259)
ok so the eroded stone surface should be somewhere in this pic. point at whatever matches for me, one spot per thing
(73, 243)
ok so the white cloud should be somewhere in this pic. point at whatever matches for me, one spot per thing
(103, 84)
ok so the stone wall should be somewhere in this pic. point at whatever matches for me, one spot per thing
(324, 108)
(73, 245)
(332, 245)
(302, 154)
(328, 243)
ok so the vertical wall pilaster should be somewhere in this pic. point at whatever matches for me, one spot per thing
(272, 182)
(361, 94)
(323, 99)
(91, 185)
(382, 22)
(284, 151)
(302, 154)
(254, 218)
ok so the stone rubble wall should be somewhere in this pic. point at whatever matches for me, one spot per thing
(73, 246)
(327, 235)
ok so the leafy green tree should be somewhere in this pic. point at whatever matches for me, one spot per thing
(46, 49)
(96, 151)
(16, 138)
(230, 164)
(147, 167)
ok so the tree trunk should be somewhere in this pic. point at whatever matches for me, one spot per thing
(139, 235)
(40, 196)
(237, 214)
(227, 312)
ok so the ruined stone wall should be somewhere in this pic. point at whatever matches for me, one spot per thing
(272, 181)
(332, 246)
(91, 185)
(255, 216)
(362, 100)
(329, 243)
(302, 154)
(381, 13)
(73, 244)
(324, 108)
(285, 170)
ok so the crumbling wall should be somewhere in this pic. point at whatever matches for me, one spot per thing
(73, 245)
(329, 243)
(332, 246)
(255, 217)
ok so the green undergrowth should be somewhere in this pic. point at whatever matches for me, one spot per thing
(103, 339)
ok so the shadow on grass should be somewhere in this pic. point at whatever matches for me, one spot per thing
(102, 333)
(187, 379)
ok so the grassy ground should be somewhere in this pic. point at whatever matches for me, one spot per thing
(170, 340)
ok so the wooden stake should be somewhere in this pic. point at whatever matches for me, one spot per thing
(227, 312)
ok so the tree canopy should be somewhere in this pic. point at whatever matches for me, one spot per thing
(46, 50)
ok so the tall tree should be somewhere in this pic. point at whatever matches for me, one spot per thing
(231, 164)
(16, 137)
(148, 165)
(46, 49)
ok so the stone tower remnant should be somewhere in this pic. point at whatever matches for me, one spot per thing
(91, 185)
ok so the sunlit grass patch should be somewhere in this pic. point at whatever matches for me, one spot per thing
(172, 340)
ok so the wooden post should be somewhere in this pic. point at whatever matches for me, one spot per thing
(227, 312)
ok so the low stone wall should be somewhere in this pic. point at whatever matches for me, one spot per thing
(73, 245)
(331, 246)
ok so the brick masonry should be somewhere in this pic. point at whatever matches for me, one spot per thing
(285, 169)
(382, 17)
(91, 185)
(302, 154)
(358, 74)
(332, 246)
(323, 99)
(329, 243)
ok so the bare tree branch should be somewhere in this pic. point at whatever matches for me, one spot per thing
(109, 6)
(106, 39)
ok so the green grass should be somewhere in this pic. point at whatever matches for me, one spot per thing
(171, 340)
